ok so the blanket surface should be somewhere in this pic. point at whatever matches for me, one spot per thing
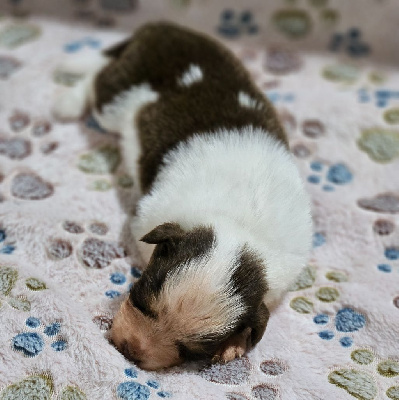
(329, 68)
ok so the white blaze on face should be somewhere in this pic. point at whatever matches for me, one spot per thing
(191, 75)
(198, 299)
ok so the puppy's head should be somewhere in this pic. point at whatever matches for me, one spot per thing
(187, 301)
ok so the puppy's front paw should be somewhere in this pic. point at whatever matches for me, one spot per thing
(233, 347)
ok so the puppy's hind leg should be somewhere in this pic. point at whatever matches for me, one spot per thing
(73, 102)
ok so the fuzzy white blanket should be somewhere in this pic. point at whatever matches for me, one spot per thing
(63, 203)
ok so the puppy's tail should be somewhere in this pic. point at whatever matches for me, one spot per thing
(117, 50)
(89, 62)
(73, 102)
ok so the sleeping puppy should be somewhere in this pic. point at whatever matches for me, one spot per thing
(224, 221)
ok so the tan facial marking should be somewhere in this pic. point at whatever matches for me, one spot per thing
(195, 304)
(143, 340)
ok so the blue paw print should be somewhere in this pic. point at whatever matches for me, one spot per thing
(351, 43)
(5, 248)
(382, 97)
(32, 343)
(131, 390)
(346, 320)
(335, 175)
(276, 97)
(118, 278)
(392, 254)
(318, 239)
(232, 25)
(74, 47)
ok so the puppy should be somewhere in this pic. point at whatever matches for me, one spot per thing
(224, 221)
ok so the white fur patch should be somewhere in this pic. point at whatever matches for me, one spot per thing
(203, 293)
(119, 116)
(192, 75)
(72, 102)
(245, 184)
(246, 100)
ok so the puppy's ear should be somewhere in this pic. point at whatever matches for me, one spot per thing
(169, 233)
(117, 50)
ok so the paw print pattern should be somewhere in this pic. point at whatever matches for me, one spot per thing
(15, 35)
(292, 23)
(347, 320)
(18, 147)
(6, 247)
(319, 239)
(233, 25)
(313, 128)
(391, 116)
(272, 369)
(118, 278)
(392, 255)
(132, 390)
(103, 322)
(350, 42)
(93, 252)
(297, 23)
(383, 227)
(27, 185)
(105, 159)
(235, 372)
(382, 97)
(380, 144)
(40, 387)
(336, 175)
(8, 66)
(281, 61)
(32, 344)
(361, 382)
(8, 279)
(341, 73)
(383, 203)
(73, 47)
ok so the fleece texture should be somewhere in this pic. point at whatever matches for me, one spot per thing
(329, 69)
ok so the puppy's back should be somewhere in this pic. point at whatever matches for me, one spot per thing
(202, 88)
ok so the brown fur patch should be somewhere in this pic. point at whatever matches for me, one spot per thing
(143, 340)
(148, 312)
(158, 54)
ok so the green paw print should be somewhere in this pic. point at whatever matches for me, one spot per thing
(104, 160)
(361, 383)
(325, 294)
(39, 387)
(8, 279)
(15, 35)
(297, 23)
(380, 144)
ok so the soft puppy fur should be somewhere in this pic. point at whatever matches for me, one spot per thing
(224, 221)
